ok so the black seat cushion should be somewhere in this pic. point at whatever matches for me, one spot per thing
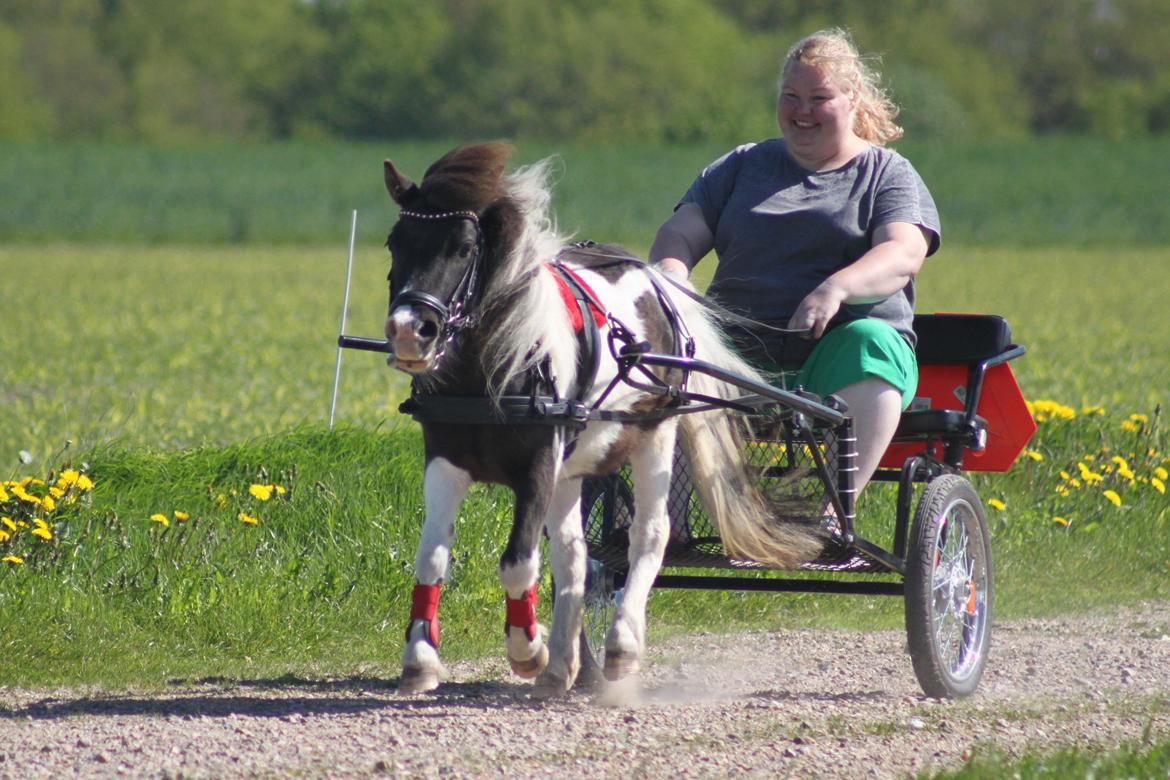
(961, 338)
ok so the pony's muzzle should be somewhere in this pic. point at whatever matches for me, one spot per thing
(413, 332)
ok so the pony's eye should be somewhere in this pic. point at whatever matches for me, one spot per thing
(465, 250)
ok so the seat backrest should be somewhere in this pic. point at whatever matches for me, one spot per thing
(960, 338)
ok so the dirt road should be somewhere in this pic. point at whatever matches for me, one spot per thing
(779, 704)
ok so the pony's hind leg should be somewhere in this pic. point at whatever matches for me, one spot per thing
(566, 548)
(651, 466)
(444, 487)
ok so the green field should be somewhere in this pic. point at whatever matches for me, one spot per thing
(1037, 193)
(178, 375)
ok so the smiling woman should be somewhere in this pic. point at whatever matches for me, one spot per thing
(819, 236)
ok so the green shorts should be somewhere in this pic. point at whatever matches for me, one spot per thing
(855, 351)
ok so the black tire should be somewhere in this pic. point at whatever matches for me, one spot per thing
(949, 589)
(607, 509)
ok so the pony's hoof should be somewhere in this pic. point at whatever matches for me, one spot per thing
(619, 665)
(550, 686)
(533, 666)
(415, 679)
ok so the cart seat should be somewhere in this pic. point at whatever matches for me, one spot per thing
(962, 370)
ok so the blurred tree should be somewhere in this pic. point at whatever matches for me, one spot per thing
(77, 90)
(22, 116)
(656, 70)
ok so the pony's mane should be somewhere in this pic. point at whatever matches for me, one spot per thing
(467, 178)
(518, 298)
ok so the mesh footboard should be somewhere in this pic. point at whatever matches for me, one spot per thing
(784, 463)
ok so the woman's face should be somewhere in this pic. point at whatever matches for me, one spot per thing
(815, 115)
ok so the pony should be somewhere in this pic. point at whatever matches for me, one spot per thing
(503, 326)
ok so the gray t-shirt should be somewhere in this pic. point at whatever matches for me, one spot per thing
(780, 230)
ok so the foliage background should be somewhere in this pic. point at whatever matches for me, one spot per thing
(653, 70)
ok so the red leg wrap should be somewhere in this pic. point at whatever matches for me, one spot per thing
(424, 605)
(522, 613)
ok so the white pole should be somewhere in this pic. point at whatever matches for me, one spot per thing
(344, 309)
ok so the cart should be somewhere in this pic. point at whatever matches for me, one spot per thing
(968, 415)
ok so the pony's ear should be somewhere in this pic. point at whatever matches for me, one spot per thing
(397, 185)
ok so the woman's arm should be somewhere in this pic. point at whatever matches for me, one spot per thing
(897, 254)
(682, 241)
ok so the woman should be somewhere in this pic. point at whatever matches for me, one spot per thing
(822, 231)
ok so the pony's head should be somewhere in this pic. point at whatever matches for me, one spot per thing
(440, 249)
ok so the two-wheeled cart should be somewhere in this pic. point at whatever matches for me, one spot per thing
(968, 415)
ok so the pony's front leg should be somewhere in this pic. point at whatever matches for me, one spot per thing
(566, 549)
(651, 466)
(520, 564)
(444, 488)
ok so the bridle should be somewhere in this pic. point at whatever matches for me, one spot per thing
(455, 312)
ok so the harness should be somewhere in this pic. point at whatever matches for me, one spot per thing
(542, 404)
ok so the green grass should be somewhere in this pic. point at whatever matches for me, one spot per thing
(1079, 191)
(318, 585)
(1148, 758)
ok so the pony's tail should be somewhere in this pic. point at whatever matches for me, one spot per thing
(746, 521)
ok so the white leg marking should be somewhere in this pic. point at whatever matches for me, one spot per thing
(567, 555)
(651, 466)
(444, 488)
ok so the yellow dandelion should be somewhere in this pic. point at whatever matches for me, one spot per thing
(1132, 427)
(1113, 497)
(220, 500)
(182, 517)
(84, 483)
(68, 477)
(995, 503)
(1074, 483)
(48, 504)
(1062, 490)
(249, 519)
(1094, 410)
(1158, 484)
(8, 522)
(280, 491)
(1065, 475)
(19, 491)
(5, 536)
(1060, 521)
(43, 533)
(1034, 455)
(15, 560)
(1125, 473)
(1120, 461)
(1139, 418)
(161, 519)
(3, 494)
(261, 492)
(56, 492)
(1161, 473)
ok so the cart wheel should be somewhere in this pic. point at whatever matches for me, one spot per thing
(949, 589)
(601, 602)
(607, 509)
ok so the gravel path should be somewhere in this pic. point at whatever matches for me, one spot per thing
(778, 704)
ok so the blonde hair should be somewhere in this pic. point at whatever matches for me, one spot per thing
(833, 52)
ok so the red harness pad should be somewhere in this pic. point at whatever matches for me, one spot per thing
(1001, 404)
(570, 300)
